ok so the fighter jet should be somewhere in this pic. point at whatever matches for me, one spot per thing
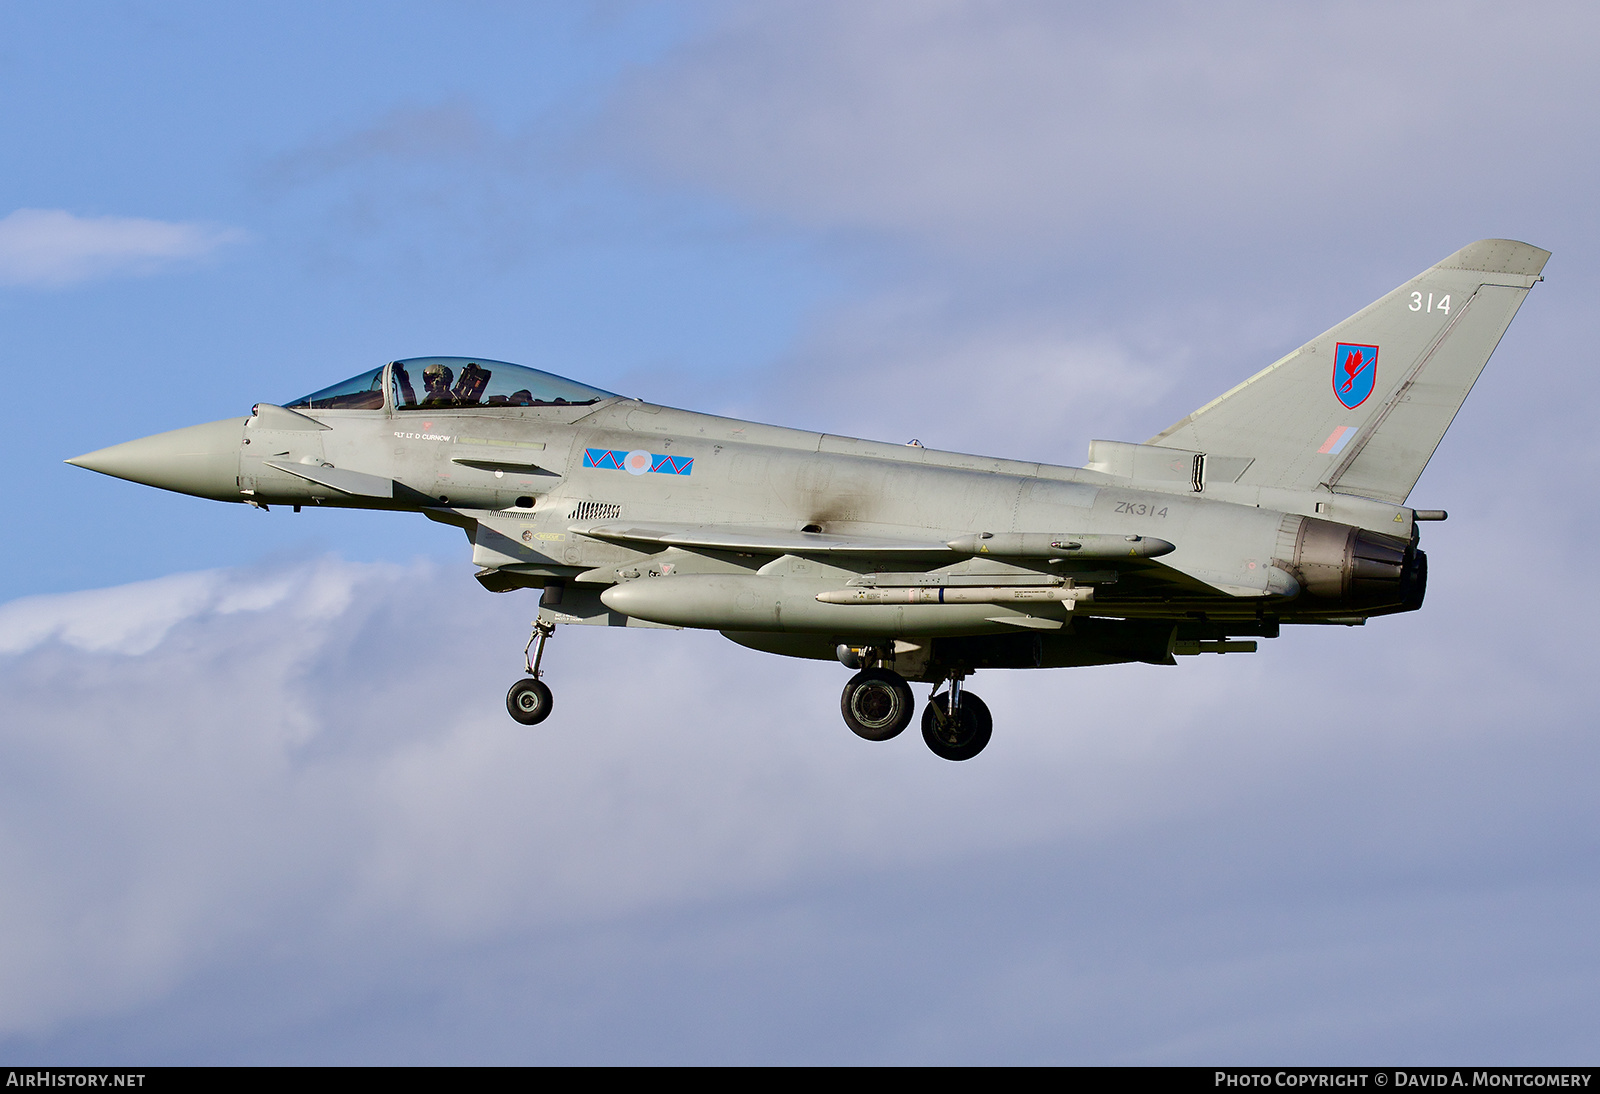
(1282, 501)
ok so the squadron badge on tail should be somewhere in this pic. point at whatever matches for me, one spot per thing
(1355, 368)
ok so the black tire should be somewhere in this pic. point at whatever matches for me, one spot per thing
(957, 742)
(877, 704)
(529, 701)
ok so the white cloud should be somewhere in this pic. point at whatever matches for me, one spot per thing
(270, 797)
(1021, 128)
(1067, 221)
(133, 619)
(1006, 381)
(52, 247)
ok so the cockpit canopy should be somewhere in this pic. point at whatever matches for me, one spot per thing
(426, 383)
(442, 383)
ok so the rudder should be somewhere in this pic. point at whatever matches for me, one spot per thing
(1361, 408)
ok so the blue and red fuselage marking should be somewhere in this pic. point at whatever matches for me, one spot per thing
(638, 462)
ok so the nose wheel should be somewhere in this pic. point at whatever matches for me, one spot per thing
(529, 700)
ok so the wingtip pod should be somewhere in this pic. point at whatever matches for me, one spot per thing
(1498, 256)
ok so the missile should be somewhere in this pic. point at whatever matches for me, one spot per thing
(961, 594)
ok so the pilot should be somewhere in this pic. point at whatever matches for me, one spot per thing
(436, 380)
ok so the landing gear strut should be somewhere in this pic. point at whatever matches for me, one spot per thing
(529, 700)
(956, 725)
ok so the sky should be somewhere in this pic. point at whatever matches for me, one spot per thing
(262, 802)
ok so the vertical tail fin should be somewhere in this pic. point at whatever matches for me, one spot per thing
(1362, 408)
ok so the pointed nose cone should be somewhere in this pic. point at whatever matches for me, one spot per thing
(201, 460)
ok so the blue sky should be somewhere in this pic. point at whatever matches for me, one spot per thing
(383, 182)
(235, 828)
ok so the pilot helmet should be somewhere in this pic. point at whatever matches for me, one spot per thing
(437, 372)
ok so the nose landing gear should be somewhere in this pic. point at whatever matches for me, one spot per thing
(529, 700)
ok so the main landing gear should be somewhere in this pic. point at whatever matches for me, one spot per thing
(957, 724)
(877, 704)
(529, 700)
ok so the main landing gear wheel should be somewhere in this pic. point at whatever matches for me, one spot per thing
(876, 704)
(959, 738)
(529, 701)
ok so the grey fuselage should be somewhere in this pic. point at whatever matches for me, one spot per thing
(542, 495)
(1279, 501)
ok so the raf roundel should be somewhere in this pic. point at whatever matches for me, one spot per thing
(636, 462)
